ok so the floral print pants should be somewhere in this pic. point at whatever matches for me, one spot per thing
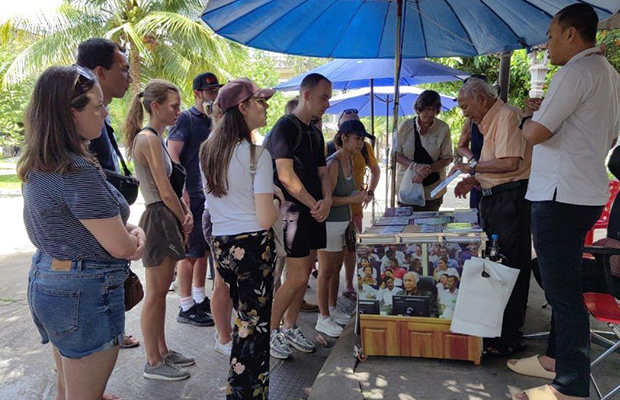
(246, 263)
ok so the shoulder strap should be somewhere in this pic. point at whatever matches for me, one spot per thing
(258, 150)
(117, 150)
(148, 128)
(299, 136)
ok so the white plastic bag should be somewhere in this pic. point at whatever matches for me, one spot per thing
(483, 297)
(411, 193)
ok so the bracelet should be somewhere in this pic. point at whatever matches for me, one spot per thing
(523, 121)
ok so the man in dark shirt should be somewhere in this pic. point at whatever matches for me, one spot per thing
(192, 128)
(297, 148)
(107, 60)
(109, 63)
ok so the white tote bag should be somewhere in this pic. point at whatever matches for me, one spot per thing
(483, 294)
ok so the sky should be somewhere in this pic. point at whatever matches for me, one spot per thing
(27, 8)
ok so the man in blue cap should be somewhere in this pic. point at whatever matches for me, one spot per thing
(192, 128)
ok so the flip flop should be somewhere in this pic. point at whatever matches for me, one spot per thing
(530, 366)
(107, 396)
(129, 342)
(538, 393)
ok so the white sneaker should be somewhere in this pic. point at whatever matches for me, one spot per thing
(328, 326)
(340, 317)
(223, 349)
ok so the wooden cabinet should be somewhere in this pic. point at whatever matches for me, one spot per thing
(416, 337)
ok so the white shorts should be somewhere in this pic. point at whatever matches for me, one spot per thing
(335, 236)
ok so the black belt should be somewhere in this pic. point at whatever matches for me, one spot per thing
(504, 187)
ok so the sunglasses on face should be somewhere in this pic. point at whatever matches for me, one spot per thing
(214, 90)
(260, 100)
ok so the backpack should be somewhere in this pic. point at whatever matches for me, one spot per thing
(299, 136)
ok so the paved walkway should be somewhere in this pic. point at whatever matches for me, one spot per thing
(26, 366)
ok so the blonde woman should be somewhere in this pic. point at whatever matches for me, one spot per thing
(166, 221)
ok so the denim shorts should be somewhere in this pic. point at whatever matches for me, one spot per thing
(77, 305)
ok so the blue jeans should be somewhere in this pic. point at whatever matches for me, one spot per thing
(77, 305)
(559, 232)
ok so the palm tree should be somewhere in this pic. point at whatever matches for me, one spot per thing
(165, 39)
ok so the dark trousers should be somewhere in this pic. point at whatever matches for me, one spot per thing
(559, 231)
(507, 214)
(245, 263)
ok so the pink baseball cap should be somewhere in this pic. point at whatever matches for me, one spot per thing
(239, 90)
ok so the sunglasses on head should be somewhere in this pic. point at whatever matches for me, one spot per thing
(476, 76)
(348, 111)
(84, 77)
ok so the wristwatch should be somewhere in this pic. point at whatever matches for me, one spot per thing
(370, 192)
(472, 164)
(523, 121)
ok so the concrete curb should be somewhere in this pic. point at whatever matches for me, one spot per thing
(336, 379)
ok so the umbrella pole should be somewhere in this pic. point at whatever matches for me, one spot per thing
(372, 132)
(387, 151)
(397, 65)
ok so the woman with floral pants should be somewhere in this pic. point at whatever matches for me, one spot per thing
(240, 196)
(246, 265)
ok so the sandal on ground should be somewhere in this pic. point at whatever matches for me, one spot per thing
(498, 350)
(129, 342)
(539, 393)
(107, 396)
(350, 294)
(530, 366)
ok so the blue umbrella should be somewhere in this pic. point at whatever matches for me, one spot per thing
(389, 28)
(348, 74)
(366, 28)
(383, 97)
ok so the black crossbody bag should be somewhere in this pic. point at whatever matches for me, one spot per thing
(126, 184)
(178, 175)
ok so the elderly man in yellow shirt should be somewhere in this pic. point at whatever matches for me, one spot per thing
(362, 160)
(502, 172)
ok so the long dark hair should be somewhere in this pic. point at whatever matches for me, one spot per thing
(217, 150)
(51, 135)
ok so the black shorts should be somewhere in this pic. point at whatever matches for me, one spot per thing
(196, 245)
(302, 232)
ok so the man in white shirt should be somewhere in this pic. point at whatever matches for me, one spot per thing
(572, 131)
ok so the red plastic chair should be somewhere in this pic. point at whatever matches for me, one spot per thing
(614, 188)
(604, 308)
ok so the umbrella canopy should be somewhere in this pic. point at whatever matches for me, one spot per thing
(356, 73)
(365, 28)
(383, 98)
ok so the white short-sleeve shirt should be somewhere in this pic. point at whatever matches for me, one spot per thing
(235, 213)
(582, 110)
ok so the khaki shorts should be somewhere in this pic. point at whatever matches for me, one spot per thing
(163, 235)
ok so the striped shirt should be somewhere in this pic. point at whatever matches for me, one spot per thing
(54, 204)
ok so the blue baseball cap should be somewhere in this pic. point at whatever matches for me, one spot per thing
(356, 127)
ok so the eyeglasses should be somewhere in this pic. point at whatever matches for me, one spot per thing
(348, 111)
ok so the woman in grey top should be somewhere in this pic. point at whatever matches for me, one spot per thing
(349, 140)
(166, 221)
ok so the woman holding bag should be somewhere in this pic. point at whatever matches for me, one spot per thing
(423, 144)
(166, 221)
(240, 193)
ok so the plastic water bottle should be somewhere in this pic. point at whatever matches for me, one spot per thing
(493, 252)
